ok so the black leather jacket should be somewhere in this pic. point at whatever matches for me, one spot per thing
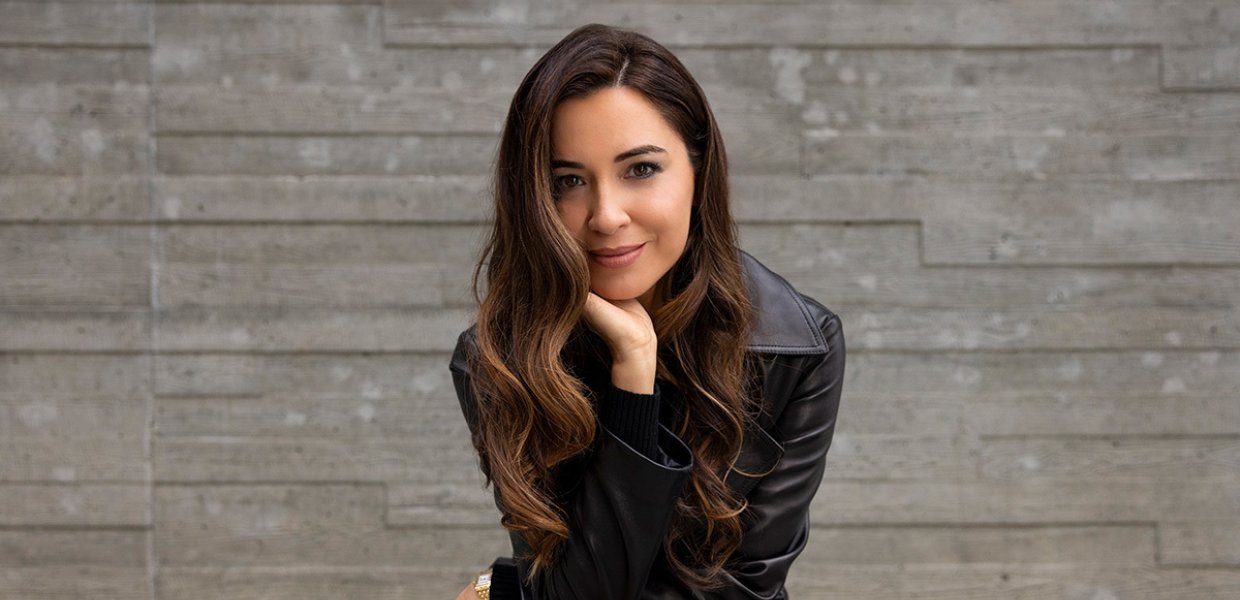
(625, 499)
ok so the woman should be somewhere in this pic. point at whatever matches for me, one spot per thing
(651, 405)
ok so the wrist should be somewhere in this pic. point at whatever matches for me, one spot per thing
(634, 376)
(482, 584)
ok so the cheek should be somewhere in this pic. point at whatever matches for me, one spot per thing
(571, 215)
(677, 205)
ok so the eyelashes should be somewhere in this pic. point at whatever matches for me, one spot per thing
(559, 185)
(651, 168)
(640, 170)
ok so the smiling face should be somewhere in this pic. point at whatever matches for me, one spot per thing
(622, 177)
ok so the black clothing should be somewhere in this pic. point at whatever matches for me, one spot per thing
(619, 496)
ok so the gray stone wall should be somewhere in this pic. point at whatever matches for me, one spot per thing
(235, 237)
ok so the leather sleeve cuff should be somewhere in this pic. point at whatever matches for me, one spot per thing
(633, 417)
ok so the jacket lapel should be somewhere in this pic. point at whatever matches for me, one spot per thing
(784, 325)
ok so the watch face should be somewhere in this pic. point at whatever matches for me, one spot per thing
(484, 580)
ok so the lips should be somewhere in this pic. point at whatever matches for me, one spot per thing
(616, 251)
(617, 258)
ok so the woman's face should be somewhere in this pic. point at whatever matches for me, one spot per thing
(623, 178)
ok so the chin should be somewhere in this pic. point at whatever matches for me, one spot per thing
(618, 292)
(608, 293)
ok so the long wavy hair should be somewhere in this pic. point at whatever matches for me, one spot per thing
(534, 412)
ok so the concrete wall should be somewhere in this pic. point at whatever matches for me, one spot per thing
(234, 239)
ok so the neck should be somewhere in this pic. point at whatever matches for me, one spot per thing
(650, 300)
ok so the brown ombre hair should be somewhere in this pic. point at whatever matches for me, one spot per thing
(533, 411)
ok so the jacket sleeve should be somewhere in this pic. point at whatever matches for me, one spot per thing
(617, 513)
(777, 520)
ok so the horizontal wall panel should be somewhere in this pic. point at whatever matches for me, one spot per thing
(288, 525)
(69, 266)
(50, 548)
(320, 582)
(1043, 501)
(349, 198)
(1025, 110)
(1064, 157)
(74, 505)
(99, 197)
(1010, 581)
(55, 23)
(979, 545)
(1141, 459)
(1196, 543)
(853, 22)
(318, 155)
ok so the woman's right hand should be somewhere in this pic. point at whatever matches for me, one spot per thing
(626, 327)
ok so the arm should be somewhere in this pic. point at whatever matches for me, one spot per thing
(617, 514)
(777, 521)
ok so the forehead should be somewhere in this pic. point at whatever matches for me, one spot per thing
(606, 122)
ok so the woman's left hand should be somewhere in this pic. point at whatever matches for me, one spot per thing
(468, 593)
(623, 324)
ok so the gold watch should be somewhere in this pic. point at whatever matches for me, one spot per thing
(482, 584)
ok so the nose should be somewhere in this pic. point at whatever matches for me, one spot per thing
(609, 212)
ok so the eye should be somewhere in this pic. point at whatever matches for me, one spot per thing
(564, 182)
(643, 170)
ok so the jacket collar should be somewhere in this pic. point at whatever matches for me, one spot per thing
(784, 324)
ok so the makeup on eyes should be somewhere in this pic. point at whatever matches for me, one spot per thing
(652, 168)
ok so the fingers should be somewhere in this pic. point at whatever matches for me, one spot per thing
(591, 312)
(604, 318)
(623, 324)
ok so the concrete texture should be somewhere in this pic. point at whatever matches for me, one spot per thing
(235, 240)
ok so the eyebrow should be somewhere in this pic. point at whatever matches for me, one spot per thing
(627, 154)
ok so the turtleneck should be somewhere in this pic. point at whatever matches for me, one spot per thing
(633, 417)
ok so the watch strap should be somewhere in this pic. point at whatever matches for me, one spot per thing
(482, 585)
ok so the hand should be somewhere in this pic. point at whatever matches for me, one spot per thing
(623, 324)
(629, 332)
(468, 593)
